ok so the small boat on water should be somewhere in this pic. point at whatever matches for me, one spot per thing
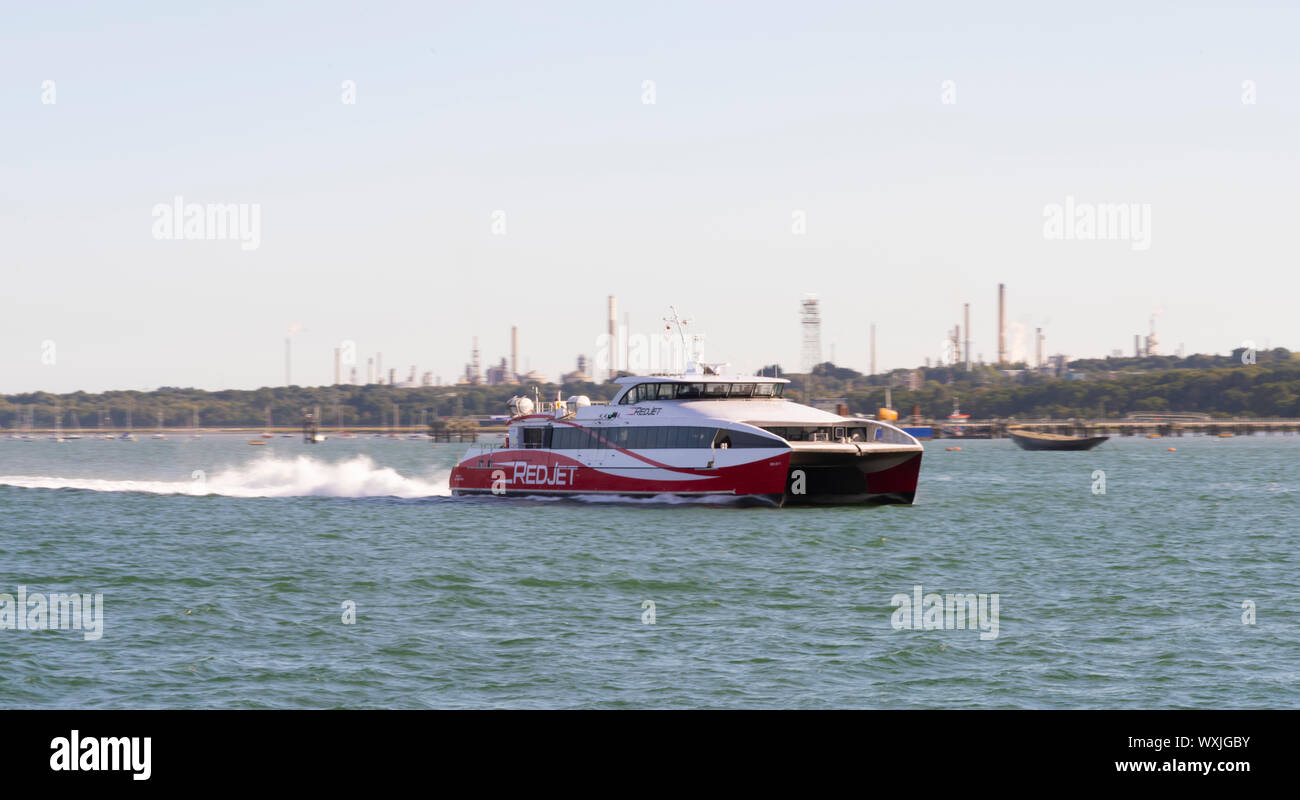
(1033, 440)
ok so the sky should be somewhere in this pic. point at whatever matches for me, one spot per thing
(424, 173)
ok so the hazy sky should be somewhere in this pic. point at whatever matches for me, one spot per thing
(377, 216)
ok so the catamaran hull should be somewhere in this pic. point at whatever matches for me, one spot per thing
(788, 478)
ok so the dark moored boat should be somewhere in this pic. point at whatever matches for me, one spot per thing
(1032, 440)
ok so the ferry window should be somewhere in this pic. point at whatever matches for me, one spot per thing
(533, 437)
(722, 440)
(667, 391)
(617, 437)
(742, 389)
(717, 389)
(763, 390)
(747, 439)
(566, 438)
(690, 391)
(636, 438)
(778, 389)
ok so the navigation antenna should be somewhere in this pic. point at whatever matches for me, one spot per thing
(679, 322)
(687, 350)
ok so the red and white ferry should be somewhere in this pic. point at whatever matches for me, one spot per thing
(696, 434)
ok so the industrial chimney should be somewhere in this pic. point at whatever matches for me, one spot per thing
(514, 352)
(613, 338)
(873, 348)
(967, 347)
(1002, 323)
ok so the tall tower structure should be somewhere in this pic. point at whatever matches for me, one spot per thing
(1038, 334)
(1002, 323)
(873, 348)
(966, 349)
(338, 366)
(613, 338)
(514, 352)
(811, 323)
(476, 374)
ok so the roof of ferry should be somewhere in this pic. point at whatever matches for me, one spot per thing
(629, 380)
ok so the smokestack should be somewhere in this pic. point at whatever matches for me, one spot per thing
(873, 348)
(966, 349)
(1002, 323)
(475, 372)
(613, 338)
(338, 366)
(514, 352)
(1039, 335)
(379, 367)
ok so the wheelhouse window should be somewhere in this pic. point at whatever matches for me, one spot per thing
(644, 392)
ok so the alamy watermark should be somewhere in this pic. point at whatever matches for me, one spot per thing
(932, 612)
(75, 752)
(1128, 222)
(53, 612)
(181, 220)
(1248, 351)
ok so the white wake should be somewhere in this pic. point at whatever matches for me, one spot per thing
(268, 477)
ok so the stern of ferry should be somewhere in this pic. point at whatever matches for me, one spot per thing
(883, 469)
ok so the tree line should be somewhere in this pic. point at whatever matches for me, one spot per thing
(1099, 388)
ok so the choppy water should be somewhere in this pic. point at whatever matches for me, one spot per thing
(225, 589)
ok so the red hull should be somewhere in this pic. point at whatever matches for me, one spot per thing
(796, 478)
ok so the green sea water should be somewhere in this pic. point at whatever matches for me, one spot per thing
(227, 570)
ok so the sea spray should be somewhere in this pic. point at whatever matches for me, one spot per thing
(267, 477)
